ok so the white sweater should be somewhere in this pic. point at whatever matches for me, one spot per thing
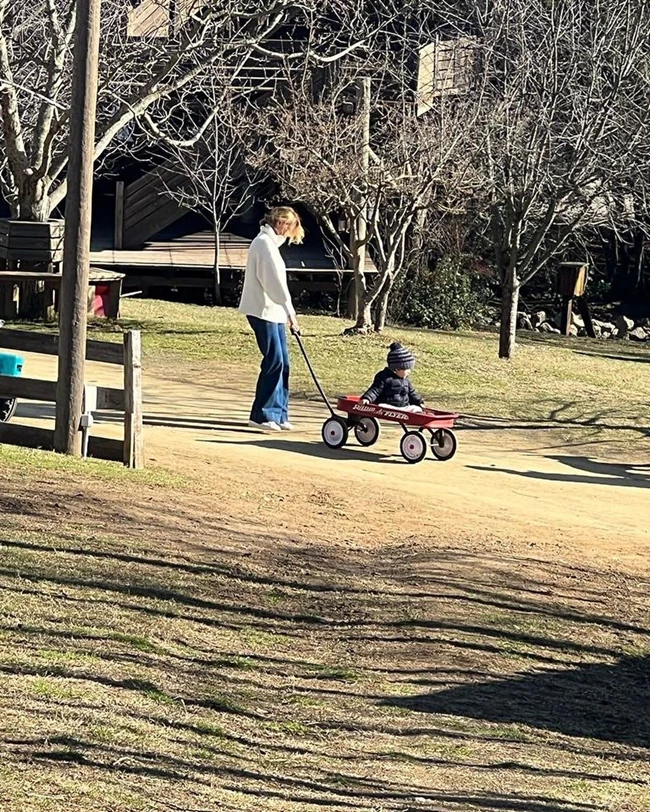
(265, 294)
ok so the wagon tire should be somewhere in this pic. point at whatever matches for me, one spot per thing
(413, 447)
(335, 432)
(367, 431)
(443, 444)
(7, 409)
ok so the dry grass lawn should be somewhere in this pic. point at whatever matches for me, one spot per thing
(157, 653)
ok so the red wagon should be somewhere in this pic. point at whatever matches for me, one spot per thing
(363, 419)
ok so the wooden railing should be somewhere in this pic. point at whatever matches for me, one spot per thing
(127, 400)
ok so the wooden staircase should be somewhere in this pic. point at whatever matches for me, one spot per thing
(144, 208)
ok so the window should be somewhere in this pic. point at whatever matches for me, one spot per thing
(445, 68)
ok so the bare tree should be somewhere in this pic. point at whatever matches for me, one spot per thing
(565, 96)
(415, 164)
(210, 172)
(150, 54)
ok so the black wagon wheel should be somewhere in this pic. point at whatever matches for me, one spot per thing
(335, 432)
(413, 446)
(367, 431)
(7, 409)
(443, 444)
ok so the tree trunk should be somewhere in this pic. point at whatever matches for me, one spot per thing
(34, 202)
(381, 304)
(363, 315)
(509, 306)
(216, 267)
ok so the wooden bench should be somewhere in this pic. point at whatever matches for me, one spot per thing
(48, 284)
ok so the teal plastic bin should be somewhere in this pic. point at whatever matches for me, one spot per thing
(11, 365)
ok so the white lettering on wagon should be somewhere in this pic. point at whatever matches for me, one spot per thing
(377, 411)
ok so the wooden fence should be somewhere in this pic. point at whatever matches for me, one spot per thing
(128, 400)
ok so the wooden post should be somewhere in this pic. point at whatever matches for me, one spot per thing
(74, 284)
(133, 437)
(583, 309)
(359, 228)
(112, 310)
(567, 312)
(118, 242)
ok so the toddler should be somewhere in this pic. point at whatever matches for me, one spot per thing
(391, 386)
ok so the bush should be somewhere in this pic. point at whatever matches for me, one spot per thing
(446, 297)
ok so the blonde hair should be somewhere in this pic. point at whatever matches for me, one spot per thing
(285, 214)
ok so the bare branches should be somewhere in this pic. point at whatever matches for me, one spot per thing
(150, 57)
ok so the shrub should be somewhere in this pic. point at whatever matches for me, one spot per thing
(445, 297)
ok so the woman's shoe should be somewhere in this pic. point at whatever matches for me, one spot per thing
(268, 426)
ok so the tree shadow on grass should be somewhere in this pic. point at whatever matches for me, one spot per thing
(611, 356)
(601, 701)
(324, 788)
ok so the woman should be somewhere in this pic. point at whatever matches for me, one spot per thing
(266, 302)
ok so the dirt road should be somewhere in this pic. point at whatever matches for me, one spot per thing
(507, 488)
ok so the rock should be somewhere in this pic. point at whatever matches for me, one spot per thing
(573, 330)
(643, 322)
(538, 318)
(605, 326)
(614, 333)
(545, 327)
(556, 331)
(577, 319)
(524, 322)
(597, 330)
(624, 325)
(639, 334)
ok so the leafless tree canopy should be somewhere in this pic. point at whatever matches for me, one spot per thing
(148, 58)
(532, 113)
(564, 91)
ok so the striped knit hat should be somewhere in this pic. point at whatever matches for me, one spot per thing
(399, 357)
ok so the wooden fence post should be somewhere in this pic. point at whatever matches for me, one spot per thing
(133, 437)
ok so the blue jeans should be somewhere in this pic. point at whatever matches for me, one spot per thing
(272, 392)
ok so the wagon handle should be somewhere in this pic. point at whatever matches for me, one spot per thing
(296, 334)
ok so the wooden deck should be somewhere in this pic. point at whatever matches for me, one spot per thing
(195, 253)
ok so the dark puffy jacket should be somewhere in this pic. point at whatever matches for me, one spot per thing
(390, 388)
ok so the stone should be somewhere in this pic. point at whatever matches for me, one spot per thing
(524, 321)
(573, 330)
(605, 326)
(545, 327)
(639, 334)
(539, 318)
(598, 331)
(624, 325)
(577, 319)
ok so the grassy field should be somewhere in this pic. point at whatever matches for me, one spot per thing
(153, 658)
(601, 386)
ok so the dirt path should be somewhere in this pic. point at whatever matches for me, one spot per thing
(507, 489)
